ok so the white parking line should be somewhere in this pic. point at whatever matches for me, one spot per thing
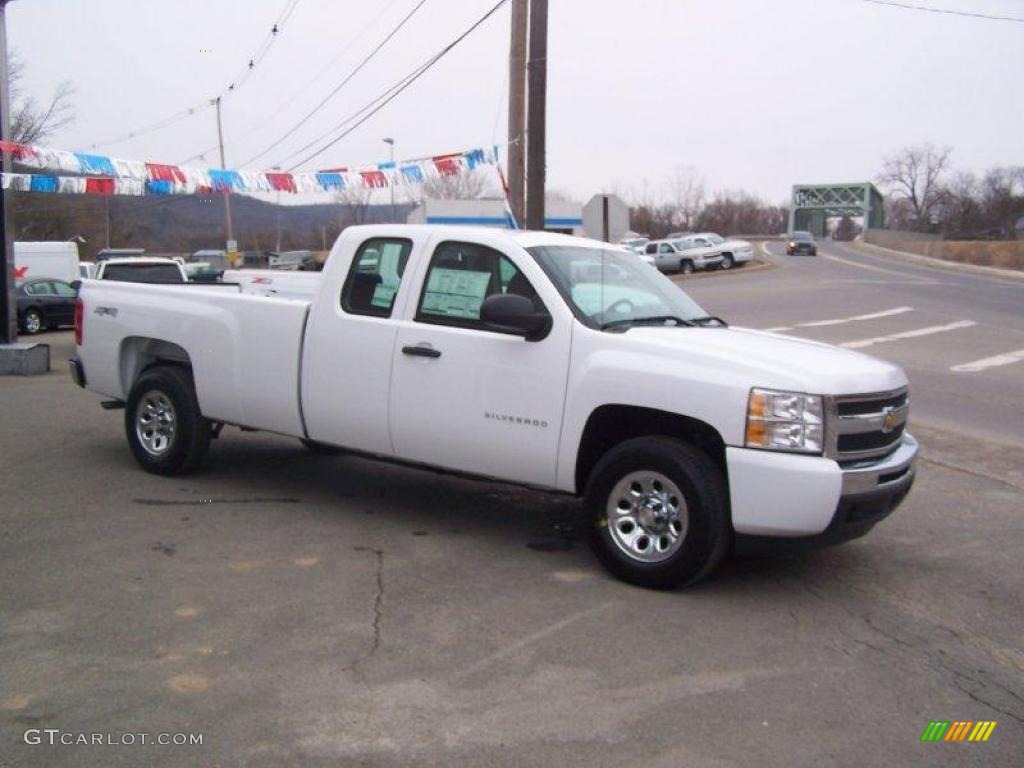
(908, 334)
(842, 320)
(989, 362)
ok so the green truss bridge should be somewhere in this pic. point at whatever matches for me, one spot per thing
(813, 204)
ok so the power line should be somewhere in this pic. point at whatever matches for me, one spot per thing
(339, 86)
(947, 11)
(243, 75)
(388, 95)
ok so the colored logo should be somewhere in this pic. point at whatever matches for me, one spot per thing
(890, 419)
(958, 730)
(20, 272)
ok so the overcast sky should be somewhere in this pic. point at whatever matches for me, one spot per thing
(753, 95)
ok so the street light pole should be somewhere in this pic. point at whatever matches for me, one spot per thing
(8, 299)
(227, 193)
(391, 143)
(277, 213)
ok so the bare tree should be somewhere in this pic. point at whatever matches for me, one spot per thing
(915, 174)
(685, 198)
(31, 121)
(1002, 192)
(479, 184)
(354, 203)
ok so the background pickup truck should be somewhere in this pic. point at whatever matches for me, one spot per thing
(529, 357)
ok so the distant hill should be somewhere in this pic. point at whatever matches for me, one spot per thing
(185, 223)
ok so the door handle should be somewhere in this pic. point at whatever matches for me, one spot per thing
(421, 350)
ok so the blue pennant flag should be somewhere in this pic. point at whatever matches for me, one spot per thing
(413, 173)
(474, 158)
(43, 182)
(97, 165)
(226, 181)
(330, 181)
(158, 187)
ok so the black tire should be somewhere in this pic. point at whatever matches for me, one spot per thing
(32, 322)
(187, 446)
(686, 267)
(705, 539)
(727, 261)
(323, 449)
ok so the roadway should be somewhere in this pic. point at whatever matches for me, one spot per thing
(959, 336)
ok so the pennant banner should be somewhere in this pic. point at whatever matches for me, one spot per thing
(102, 175)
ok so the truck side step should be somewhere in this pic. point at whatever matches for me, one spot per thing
(112, 405)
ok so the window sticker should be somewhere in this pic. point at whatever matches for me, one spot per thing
(455, 293)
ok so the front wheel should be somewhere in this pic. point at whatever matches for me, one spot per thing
(727, 262)
(658, 512)
(686, 267)
(166, 430)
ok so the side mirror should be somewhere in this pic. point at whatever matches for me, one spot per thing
(511, 312)
(76, 284)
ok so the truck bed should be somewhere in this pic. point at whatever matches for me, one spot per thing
(275, 282)
(244, 348)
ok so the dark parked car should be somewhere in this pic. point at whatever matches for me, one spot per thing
(45, 303)
(801, 242)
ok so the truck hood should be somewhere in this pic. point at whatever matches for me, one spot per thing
(772, 360)
(736, 245)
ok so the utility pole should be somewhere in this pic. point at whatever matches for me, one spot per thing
(517, 110)
(8, 298)
(277, 214)
(227, 195)
(536, 118)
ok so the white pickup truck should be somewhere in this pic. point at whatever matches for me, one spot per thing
(529, 357)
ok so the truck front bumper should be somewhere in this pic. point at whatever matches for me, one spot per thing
(786, 501)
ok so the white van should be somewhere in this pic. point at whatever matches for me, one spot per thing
(58, 260)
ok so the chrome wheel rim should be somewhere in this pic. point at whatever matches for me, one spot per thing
(647, 517)
(155, 423)
(727, 263)
(33, 322)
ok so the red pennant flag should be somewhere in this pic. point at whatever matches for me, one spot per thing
(447, 165)
(160, 172)
(18, 151)
(375, 179)
(99, 186)
(281, 182)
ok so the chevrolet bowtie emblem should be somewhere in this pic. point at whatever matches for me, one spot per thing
(890, 419)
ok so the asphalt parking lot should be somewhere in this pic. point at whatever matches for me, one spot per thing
(304, 610)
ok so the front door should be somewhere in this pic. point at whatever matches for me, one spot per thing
(470, 398)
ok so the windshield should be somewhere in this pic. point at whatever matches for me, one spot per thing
(604, 286)
(802, 236)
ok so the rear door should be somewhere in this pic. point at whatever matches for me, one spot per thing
(349, 349)
(465, 396)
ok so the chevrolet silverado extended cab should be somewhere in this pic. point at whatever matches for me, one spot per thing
(529, 357)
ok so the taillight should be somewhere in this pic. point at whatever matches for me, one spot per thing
(79, 316)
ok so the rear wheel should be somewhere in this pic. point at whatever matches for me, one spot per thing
(686, 267)
(166, 430)
(658, 511)
(32, 322)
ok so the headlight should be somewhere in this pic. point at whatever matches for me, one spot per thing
(785, 421)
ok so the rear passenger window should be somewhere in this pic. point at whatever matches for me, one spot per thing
(373, 281)
(461, 276)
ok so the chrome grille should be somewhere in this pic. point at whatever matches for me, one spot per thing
(863, 427)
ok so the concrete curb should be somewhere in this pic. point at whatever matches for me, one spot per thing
(929, 261)
(24, 359)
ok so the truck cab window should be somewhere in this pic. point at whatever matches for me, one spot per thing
(461, 276)
(376, 273)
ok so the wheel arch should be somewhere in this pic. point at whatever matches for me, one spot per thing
(611, 424)
(139, 353)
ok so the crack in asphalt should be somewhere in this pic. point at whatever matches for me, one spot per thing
(972, 472)
(378, 609)
(197, 502)
(917, 648)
